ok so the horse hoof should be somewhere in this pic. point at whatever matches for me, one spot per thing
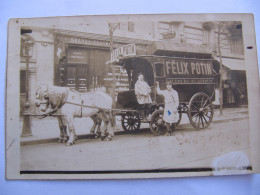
(108, 138)
(69, 143)
(59, 141)
(94, 136)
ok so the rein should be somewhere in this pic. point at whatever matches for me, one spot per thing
(106, 109)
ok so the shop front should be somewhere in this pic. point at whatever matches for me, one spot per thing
(234, 83)
(82, 69)
(81, 63)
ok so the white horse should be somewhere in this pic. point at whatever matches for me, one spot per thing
(71, 104)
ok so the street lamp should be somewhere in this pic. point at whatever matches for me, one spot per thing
(27, 51)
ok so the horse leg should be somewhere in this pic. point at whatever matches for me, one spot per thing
(92, 130)
(72, 136)
(61, 126)
(112, 123)
(95, 124)
(65, 135)
(104, 133)
(98, 121)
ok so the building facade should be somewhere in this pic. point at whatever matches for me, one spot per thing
(79, 59)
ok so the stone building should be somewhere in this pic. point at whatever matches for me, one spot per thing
(75, 52)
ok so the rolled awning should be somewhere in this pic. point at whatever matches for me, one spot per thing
(177, 47)
(234, 64)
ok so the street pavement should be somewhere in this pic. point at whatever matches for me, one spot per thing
(222, 147)
(47, 130)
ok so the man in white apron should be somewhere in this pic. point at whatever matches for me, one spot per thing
(171, 100)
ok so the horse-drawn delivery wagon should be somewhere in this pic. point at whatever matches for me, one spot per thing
(189, 69)
(191, 73)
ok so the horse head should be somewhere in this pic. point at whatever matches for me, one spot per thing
(42, 98)
(50, 99)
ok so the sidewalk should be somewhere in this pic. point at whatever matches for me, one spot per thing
(47, 130)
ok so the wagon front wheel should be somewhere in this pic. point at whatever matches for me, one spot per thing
(200, 111)
(157, 124)
(131, 122)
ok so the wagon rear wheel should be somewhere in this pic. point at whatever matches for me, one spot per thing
(200, 111)
(157, 124)
(131, 122)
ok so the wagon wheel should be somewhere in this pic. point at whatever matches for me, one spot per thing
(131, 122)
(157, 124)
(200, 111)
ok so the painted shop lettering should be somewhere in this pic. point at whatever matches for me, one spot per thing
(201, 68)
(126, 50)
(175, 67)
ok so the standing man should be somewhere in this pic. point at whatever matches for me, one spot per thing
(171, 100)
(237, 94)
(142, 92)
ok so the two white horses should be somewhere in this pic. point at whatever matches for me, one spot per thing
(71, 104)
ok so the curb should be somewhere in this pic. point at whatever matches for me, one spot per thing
(228, 120)
(52, 140)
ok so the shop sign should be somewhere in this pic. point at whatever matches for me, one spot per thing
(189, 71)
(124, 51)
(77, 56)
(85, 41)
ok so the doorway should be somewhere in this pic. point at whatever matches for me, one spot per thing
(77, 77)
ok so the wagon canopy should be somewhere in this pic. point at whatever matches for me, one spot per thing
(189, 67)
(180, 63)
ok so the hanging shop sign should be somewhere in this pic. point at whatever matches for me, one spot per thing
(124, 51)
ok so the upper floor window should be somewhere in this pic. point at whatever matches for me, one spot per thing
(194, 35)
(131, 26)
(237, 47)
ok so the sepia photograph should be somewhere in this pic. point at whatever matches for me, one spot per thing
(131, 96)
